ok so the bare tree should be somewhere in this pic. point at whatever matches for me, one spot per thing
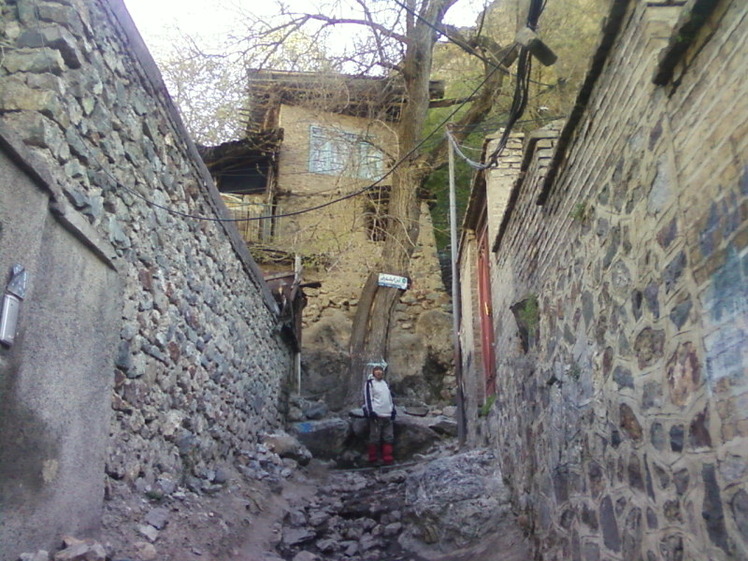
(206, 75)
(395, 39)
(202, 86)
(399, 42)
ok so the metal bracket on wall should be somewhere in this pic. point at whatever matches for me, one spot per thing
(15, 292)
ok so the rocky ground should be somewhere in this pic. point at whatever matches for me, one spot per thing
(446, 506)
(437, 506)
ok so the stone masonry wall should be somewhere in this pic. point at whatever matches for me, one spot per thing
(621, 418)
(200, 367)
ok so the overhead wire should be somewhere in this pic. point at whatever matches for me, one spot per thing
(524, 68)
(353, 194)
(460, 149)
(457, 149)
(522, 85)
(347, 196)
(390, 171)
(467, 48)
(356, 193)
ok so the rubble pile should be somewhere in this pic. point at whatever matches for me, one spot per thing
(356, 515)
(446, 507)
(266, 506)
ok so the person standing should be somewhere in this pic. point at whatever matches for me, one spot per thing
(380, 410)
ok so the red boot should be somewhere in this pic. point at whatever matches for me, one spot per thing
(387, 454)
(373, 453)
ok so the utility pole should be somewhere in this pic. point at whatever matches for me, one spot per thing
(456, 303)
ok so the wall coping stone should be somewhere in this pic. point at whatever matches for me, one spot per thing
(60, 208)
(693, 17)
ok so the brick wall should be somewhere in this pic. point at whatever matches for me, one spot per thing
(622, 428)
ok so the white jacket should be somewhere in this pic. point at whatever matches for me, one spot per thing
(377, 397)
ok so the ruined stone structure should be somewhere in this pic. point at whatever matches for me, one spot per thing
(147, 350)
(619, 299)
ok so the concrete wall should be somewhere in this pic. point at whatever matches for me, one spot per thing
(622, 428)
(56, 378)
(159, 371)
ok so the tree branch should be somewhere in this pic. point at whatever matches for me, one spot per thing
(450, 102)
(350, 21)
(377, 39)
(481, 106)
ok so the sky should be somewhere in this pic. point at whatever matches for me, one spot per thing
(210, 19)
(165, 23)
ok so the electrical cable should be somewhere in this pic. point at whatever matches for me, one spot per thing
(467, 48)
(524, 67)
(456, 147)
(356, 193)
(181, 214)
(353, 194)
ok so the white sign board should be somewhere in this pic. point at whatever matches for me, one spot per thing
(393, 281)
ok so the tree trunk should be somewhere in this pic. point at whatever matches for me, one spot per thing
(372, 325)
(374, 314)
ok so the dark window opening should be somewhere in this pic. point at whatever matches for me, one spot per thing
(253, 217)
(243, 180)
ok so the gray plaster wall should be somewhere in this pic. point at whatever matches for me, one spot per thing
(55, 379)
(178, 329)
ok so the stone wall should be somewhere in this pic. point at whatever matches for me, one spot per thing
(199, 367)
(620, 417)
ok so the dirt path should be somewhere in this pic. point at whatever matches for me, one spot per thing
(315, 509)
(266, 530)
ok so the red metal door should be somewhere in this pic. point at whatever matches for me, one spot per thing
(486, 314)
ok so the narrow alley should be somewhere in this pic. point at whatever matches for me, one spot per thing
(195, 339)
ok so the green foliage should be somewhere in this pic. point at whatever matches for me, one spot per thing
(529, 313)
(438, 187)
(575, 371)
(486, 407)
(155, 495)
(570, 28)
(461, 74)
(581, 212)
